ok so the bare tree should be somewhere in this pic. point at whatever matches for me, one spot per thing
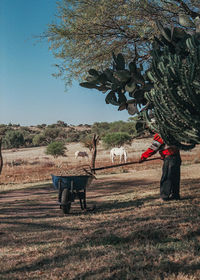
(1, 158)
(94, 151)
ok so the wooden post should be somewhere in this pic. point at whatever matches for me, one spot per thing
(94, 152)
(1, 158)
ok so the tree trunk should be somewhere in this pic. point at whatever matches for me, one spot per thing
(94, 152)
(1, 158)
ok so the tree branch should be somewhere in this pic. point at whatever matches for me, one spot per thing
(1, 158)
(187, 9)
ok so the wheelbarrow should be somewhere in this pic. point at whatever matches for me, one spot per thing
(72, 187)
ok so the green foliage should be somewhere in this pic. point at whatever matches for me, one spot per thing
(116, 139)
(61, 124)
(175, 98)
(87, 141)
(51, 133)
(169, 89)
(118, 80)
(3, 130)
(84, 44)
(56, 149)
(13, 139)
(28, 139)
(62, 134)
(73, 136)
(103, 128)
(121, 126)
(102, 27)
(39, 140)
(41, 126)
(100, 128)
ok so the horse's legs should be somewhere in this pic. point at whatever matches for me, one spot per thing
(112, 157)
(125, 157)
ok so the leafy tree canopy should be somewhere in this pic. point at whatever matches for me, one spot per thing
(86, 32)
(165, 34)
(13, 139)
(56, 149)
(116, 139)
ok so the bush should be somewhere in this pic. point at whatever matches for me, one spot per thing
(61, 124)
(3, 130)
(116, 139)
(100, 128)
(13, 139)
(73, 136)
(56, 149)
(51, 133)
(28, 139)
(87, 141)
(62, 134)
(41, 126)
(39, 140)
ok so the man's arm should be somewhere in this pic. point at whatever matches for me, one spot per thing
(154, 148)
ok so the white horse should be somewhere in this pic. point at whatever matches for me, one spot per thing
(81, 154)
(121, 152)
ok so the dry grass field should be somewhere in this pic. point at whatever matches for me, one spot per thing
(130, 235)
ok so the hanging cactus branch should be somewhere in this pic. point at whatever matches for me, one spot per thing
(119, 80)
(175, 97)
(169, 89)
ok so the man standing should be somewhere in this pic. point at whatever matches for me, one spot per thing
(170, 180)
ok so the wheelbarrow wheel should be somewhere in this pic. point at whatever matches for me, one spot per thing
(65, 201)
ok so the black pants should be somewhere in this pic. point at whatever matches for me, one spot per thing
(170, 180)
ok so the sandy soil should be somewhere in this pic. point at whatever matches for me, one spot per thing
(129, 225)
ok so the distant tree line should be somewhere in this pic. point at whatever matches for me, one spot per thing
(16, 136)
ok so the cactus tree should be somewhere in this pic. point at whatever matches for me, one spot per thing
(175, 96)
(169, 89)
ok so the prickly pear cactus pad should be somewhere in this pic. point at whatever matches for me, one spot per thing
(122, 85)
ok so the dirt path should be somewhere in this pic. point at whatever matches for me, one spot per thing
(130, 233)
(40, 198)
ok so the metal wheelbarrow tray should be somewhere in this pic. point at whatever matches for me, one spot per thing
(69, 188)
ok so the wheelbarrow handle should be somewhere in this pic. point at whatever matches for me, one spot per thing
(121, 164)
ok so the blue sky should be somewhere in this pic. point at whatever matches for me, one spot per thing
(29, 94)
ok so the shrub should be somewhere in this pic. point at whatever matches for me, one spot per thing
(116, 139)
(61, 124)
(100, 128)
(62, 134)
(73, 136)
(3, 130)
(56, 149)
(39, 140)
(13, 139)
(43, 125)
(28, 139)
(51, 133)
(87, 141)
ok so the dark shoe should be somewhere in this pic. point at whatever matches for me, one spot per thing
(175, 197)
(165, 198)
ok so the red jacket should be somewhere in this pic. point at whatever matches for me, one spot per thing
(159, 145)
